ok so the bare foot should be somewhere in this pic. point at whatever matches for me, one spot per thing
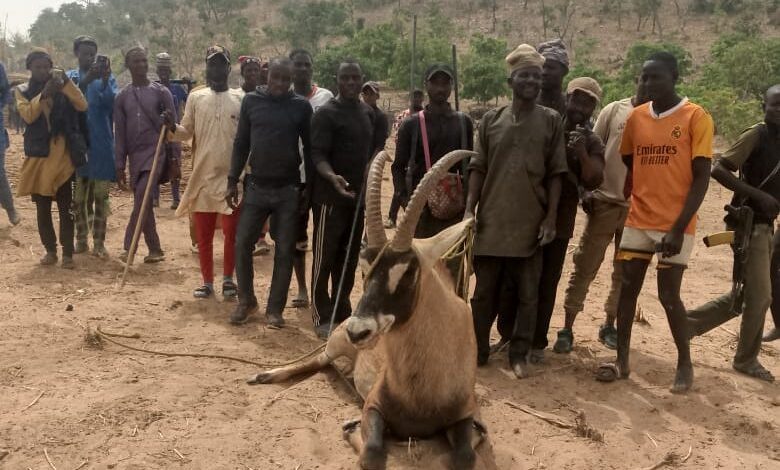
(521, 370)
(683, 379)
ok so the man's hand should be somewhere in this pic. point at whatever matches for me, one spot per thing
(92, 74)
(547, 231)
(469, 214)
(52, 87)
(341, 185)
(671, 244)
(587, 202)
(169, 120)
(577, 139)
(767, 204)
(121, 180)
(231, 197)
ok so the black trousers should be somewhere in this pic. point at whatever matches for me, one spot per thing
(396, 204)
(64, 198)
(260, 203)
(332, 228)
(775, 273)
(491, 273)
(553, 258)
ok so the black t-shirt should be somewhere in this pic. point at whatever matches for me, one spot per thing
(344, 135)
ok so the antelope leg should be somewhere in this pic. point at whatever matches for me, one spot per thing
(373, 455)
(459, 435)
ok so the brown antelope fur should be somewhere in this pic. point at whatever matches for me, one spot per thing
(411, 337)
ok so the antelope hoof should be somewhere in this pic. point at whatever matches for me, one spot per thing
(464, 459)
(260, 378)
(373, 458)
(480, 434)
(350, 426)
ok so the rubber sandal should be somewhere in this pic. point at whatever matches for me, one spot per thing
(203, 292)
(229, 290)
(609, 372)
(608, 336)
(757, 372)
(564, 342)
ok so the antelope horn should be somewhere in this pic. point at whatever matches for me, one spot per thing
(403, 236)
(375, 231)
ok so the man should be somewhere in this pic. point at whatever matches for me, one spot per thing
(756, 155)
(667, 146)
(585, 158)
(6, 197)
(272, 122)
(251, 69)
(250, 72)
(172, 149)
(303, 70)
(400, 194)
(607, 209)
(98, 85)
(446, 130)
(774, 333)
(138, 124)
(343, 142)
(370, 94)
(521, 157)
(556, 67)
(211, 118)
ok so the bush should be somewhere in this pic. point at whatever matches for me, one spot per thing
(731, 114)
(484, 72)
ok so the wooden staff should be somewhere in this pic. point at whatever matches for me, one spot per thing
(144, 204)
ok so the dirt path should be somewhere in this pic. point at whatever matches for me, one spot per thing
(117, 409)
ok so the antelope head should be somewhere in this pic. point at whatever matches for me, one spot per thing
(392, 270)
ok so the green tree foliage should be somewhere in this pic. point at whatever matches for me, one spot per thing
(747, 64)
(306, 25)
(484, 72)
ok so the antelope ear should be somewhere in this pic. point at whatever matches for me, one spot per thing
(431, 250)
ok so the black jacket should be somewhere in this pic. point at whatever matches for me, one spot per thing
(269, 129)
(346, 135)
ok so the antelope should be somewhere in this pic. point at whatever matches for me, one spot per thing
(410, 339)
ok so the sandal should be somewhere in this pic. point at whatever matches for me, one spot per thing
(203, 292)
(757, 371)
(608, 336)
(564, 342)
(610, 372)
(229, 290)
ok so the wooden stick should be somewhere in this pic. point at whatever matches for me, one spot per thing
(34, 401)
(549, 417)
(144, 204)
(81, 465)
(48, 459)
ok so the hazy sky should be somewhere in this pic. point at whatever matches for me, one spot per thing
(22, 13)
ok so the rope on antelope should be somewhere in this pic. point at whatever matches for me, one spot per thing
(108, 337)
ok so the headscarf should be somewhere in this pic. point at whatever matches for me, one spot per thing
(83, 39)
(523, 56)
(555, 50)
(37, 53)
(245, 60)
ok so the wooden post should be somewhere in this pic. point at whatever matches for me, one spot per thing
(144, 205)
(414, 56)
(455, 78)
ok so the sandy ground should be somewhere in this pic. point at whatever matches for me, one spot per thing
(113, 408)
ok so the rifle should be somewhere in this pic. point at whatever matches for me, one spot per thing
(739, 239)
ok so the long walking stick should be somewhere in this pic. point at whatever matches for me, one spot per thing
(144, 204)
(352, 232)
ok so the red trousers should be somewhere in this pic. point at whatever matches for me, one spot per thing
(205, 224)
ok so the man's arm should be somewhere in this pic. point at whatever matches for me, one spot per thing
(477, 168)
(672, 242)
(556, 167)
(241, 144)
(120, 134)
(185, 130)
(402, 155)
(591, 157)
(321, 142)
(106, 93)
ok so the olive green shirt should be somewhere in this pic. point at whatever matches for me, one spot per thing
(517, 156)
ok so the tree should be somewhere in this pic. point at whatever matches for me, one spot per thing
(747, 64)
(484, 73)
(308, 24)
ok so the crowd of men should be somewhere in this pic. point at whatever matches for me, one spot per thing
(270, 153)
